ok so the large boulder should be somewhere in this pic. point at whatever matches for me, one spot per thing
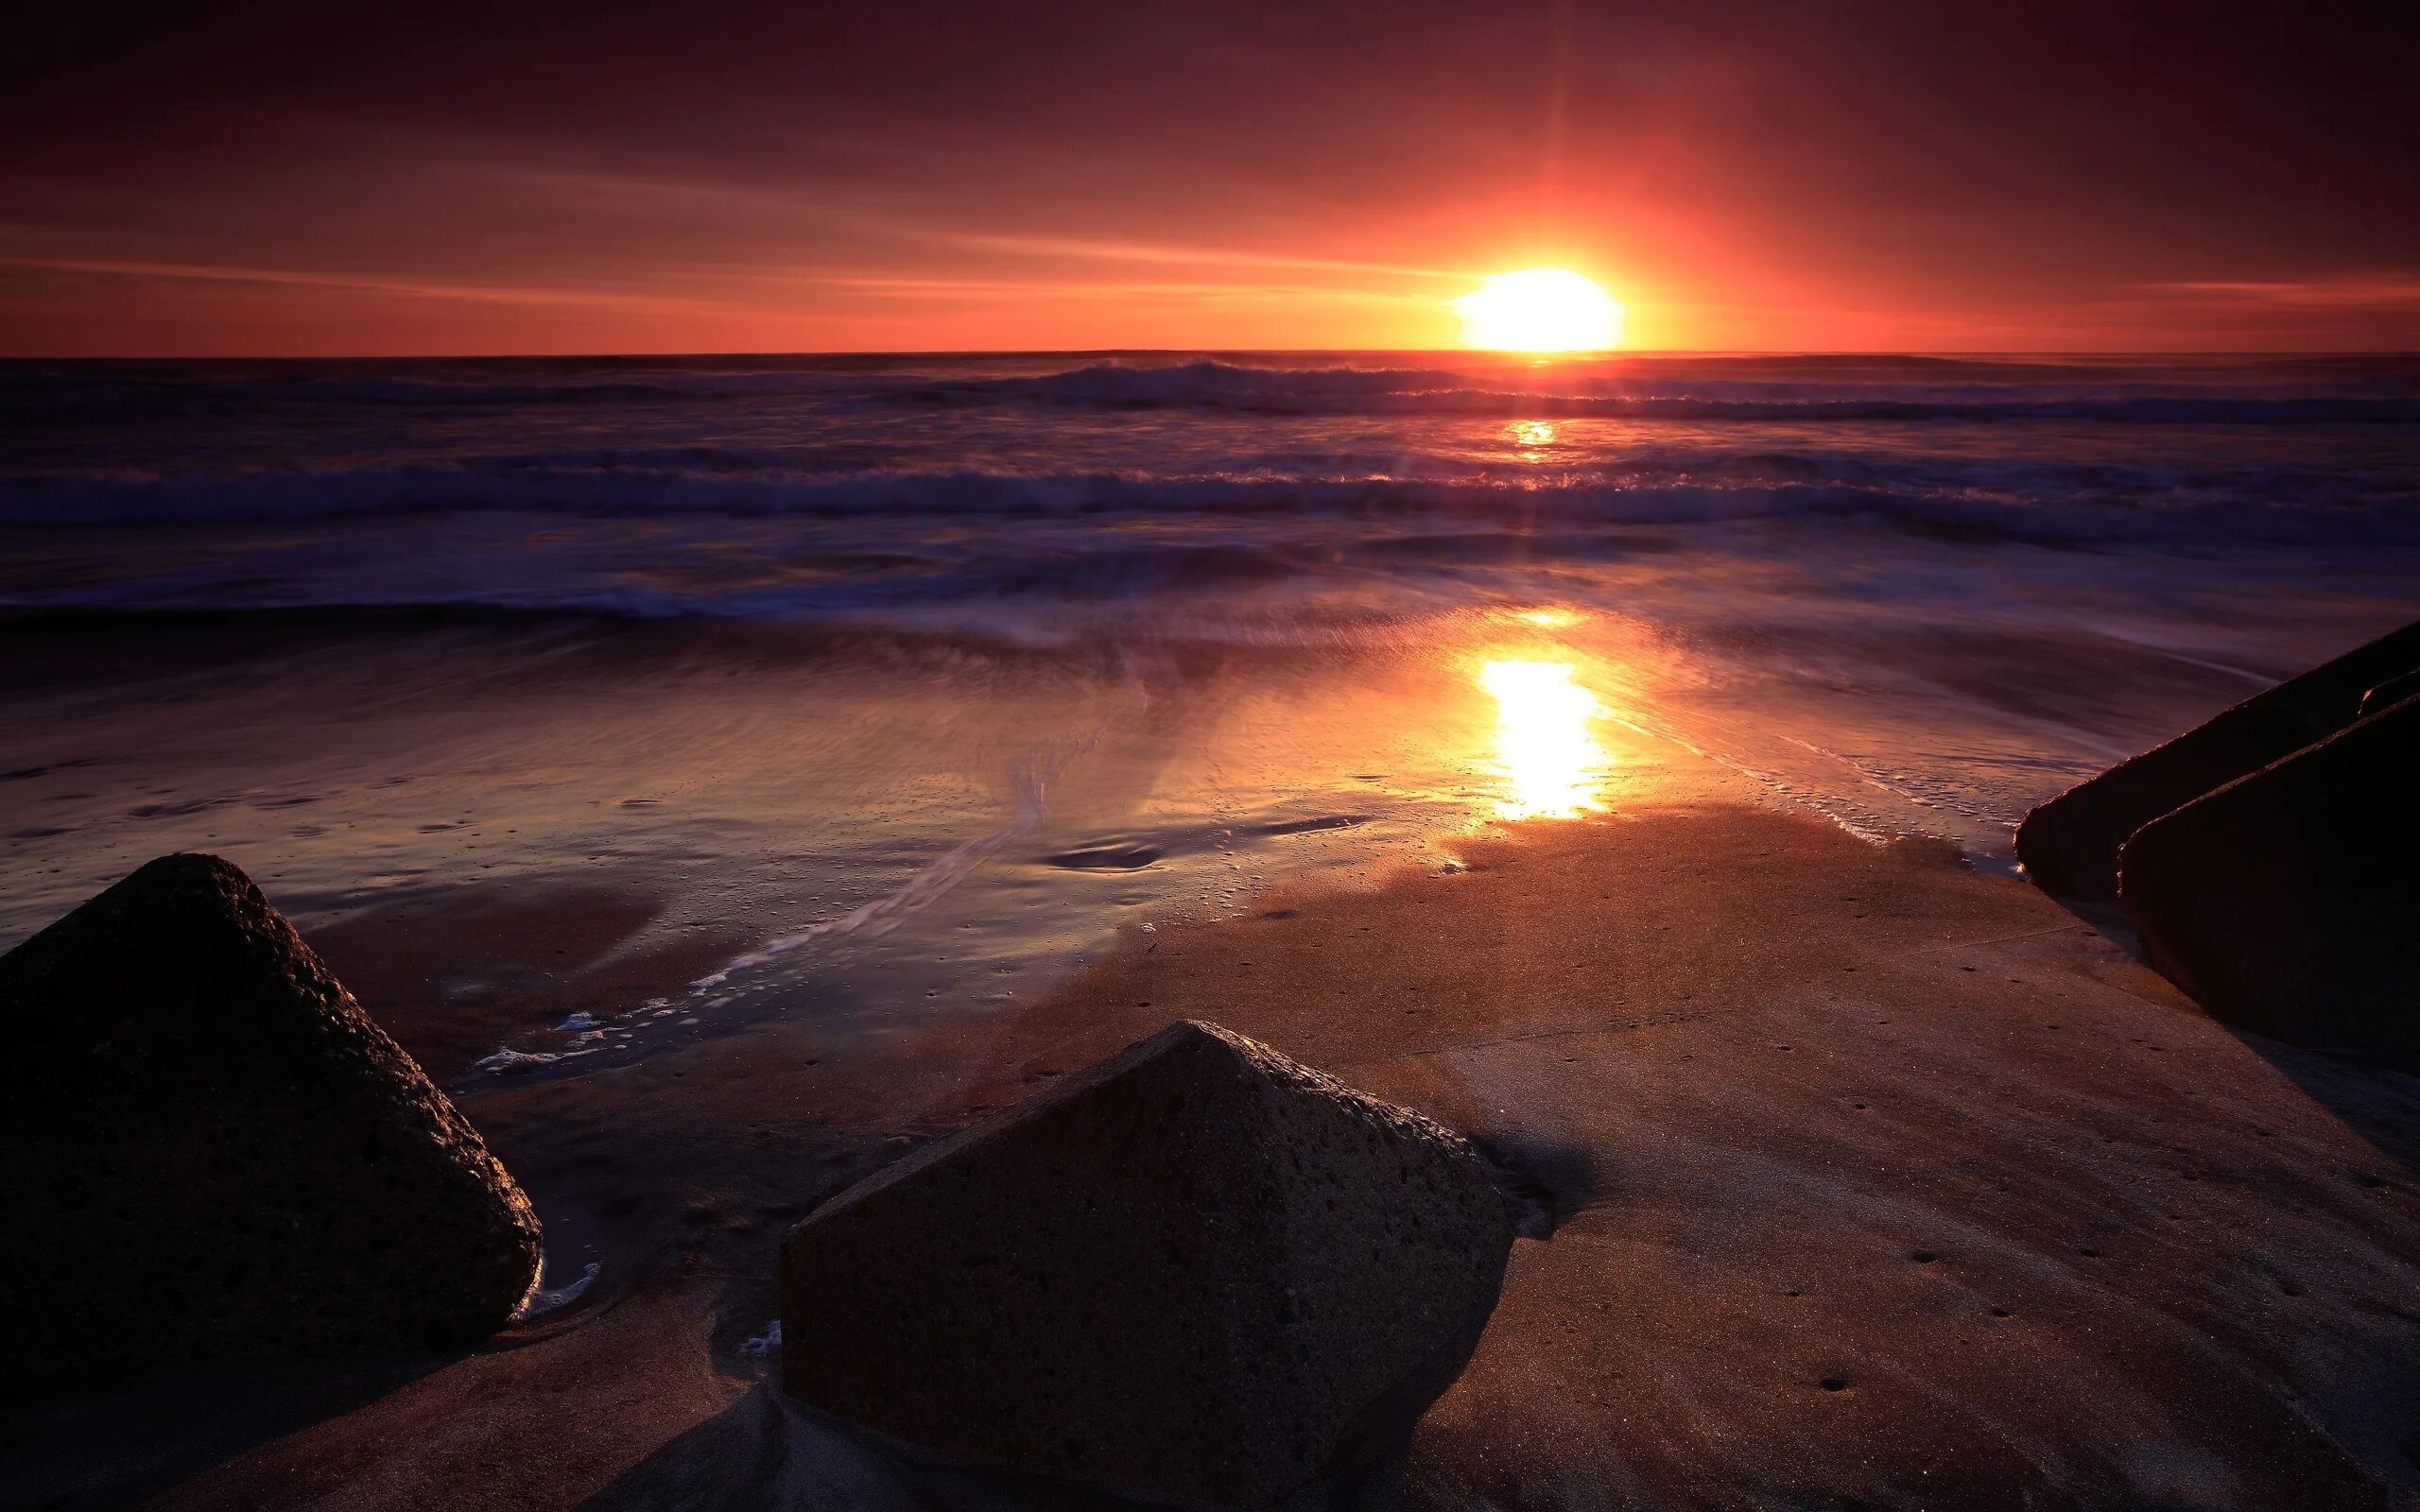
(2287, 902)
(1196, 1270)
(210, 1150)
(2070, 844)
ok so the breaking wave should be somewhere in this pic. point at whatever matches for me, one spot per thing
(2027, 501)
(889, 488)
(1987, 393)
(1805, 388)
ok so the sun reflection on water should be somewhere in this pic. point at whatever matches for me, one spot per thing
(1546, 740)
(1550, 618)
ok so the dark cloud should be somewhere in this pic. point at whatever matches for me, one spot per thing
(1910, 171)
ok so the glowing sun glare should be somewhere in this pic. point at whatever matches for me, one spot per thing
(1540, 309)
(1552, 760)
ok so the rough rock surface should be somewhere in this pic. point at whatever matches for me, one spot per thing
(2070, 844)
(211, 1150)
(1196, 1270)
(2287, 902)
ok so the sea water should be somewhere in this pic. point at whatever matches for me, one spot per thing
(918, 676)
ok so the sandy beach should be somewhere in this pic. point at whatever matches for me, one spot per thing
(720, 815)
(1873, 1181)
(1210, 757)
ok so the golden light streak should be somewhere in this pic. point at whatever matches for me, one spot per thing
(1546, 740)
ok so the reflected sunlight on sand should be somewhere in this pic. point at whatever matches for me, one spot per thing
(1546, 746)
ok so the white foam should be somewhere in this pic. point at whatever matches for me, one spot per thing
(509, 1059)
(1029, 777)
(541, 1301)
(765, 1343)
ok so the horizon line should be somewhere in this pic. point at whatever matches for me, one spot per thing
(1612, 354)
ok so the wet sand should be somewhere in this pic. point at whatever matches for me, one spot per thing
(493, 823)
(1877, 1181)
(455, 972)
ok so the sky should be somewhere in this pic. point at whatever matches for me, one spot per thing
(330, 179)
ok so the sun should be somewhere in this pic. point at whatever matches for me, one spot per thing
(1539, 309)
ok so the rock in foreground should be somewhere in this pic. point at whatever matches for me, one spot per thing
(2070, 844)
(2287, 902)
(1195, 1270)
(211, 1151)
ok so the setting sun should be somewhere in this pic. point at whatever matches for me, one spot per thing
(1539, 309)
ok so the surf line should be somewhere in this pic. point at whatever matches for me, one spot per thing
(1029, 777)
(1030, 780)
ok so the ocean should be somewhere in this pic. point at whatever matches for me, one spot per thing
(909, 681)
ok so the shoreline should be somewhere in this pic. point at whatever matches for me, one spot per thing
(1806, 1111)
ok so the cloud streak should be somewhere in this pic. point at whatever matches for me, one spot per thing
(2386, 291)
(955, 174)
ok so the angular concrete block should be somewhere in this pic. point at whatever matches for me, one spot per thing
(211, 1150)
(2287, 902)
(2390, 693)
(1196, 1270)
(2070, 844)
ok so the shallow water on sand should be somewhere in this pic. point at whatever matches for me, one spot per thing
(880, 826)
(711, 824)
(869, 688)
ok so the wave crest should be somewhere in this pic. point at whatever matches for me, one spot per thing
(1553, 393)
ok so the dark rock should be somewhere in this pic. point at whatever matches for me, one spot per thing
(2390, 693)
(1195, 1270)
(2287, 902)
(210, 1150)
(2070, 844)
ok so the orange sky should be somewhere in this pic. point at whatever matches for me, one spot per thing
(1741, 176)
